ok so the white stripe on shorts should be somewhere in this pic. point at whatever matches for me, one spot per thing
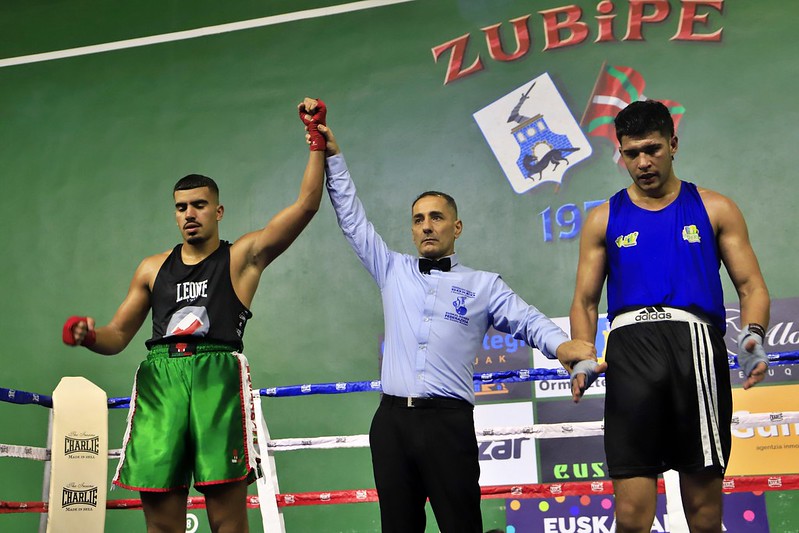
(128, 426)
(706, 392)
(251, 435)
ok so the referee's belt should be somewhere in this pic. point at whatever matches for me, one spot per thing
(412, 402)
(657, 313)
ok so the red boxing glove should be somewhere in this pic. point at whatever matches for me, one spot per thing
(68, 337)
(318, 141)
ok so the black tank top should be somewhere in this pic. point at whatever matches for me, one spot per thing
(197, 303)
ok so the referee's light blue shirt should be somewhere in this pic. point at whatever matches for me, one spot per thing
(434, 323)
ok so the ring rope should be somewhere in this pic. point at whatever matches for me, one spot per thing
(541, 490)
(539, 431)
(508, 376)
(733, 484)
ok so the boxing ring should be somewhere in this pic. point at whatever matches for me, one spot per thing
(270, 501)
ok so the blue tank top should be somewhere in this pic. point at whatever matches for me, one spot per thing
(667, 257)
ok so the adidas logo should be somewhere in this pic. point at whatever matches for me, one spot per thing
(652, 313)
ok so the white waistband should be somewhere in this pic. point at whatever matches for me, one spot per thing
(654, 314)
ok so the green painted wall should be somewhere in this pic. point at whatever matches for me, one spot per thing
(90, 147)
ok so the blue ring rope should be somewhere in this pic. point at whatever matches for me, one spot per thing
(505, 376)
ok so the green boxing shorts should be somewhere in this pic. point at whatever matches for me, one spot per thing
(191, 416)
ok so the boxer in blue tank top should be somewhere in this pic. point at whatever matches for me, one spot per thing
(660, 243)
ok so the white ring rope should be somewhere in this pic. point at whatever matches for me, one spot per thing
(539, 431)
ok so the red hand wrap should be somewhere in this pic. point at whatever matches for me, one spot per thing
(318, 141)
(68, 337)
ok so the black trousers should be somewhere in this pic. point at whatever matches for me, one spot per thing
(427, 451)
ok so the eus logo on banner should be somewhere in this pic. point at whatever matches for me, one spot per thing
(579, 471)
(533, 134)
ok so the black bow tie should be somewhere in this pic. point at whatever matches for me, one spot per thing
(426, 265)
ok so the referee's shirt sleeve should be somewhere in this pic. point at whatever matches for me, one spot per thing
(511, 314)
(351, 215)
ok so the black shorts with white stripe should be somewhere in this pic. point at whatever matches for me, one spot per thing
(668, 404)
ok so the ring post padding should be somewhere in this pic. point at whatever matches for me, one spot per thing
(267, 484)
(79, 462)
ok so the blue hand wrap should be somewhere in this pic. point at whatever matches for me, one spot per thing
(587, 367)
(746, 359)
